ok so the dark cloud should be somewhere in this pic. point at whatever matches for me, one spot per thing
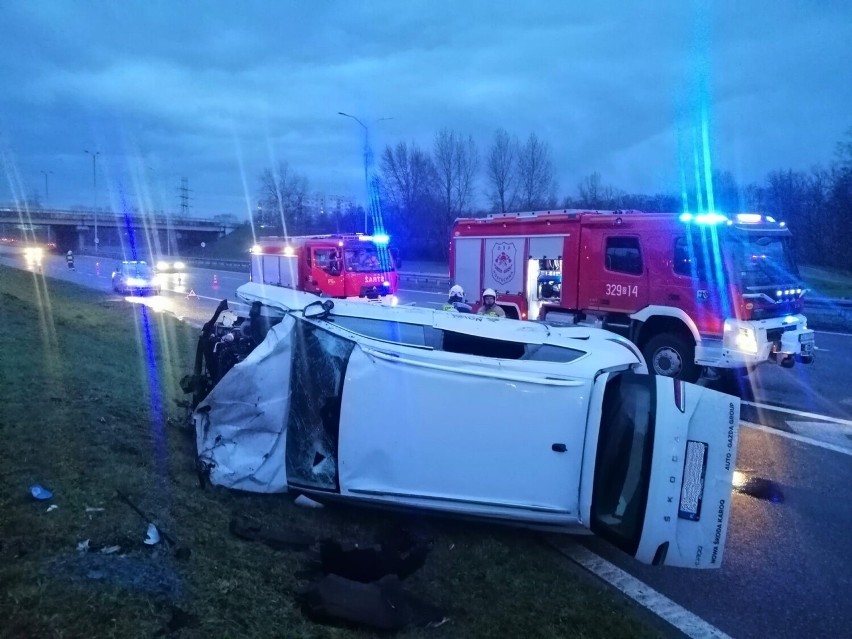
(216, 91)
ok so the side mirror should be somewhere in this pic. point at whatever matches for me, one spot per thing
(318, 309)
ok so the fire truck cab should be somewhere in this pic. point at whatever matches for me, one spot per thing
(691, 290)
(340, 266)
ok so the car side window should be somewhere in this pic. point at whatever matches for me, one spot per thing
(623, 255)
(398, 332)
(550, 353)
(482, 346)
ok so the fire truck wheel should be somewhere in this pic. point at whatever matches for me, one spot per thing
(671, 355)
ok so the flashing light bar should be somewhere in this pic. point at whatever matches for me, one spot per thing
(704, 218)
(376, 239)
(749, 218)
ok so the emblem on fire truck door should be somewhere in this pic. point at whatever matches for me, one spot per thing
(503, 262)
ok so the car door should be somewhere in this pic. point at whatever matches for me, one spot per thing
(440, 430)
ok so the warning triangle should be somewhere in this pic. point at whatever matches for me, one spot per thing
(191, 294)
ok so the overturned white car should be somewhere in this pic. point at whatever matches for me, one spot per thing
(552, 427)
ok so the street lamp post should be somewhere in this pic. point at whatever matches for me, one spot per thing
(46, 192)
(95, 192)
(367, 154)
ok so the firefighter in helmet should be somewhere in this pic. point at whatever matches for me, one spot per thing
(69, 259)
(489, 304)
(456, 301)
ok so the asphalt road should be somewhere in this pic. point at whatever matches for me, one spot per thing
(787, 571)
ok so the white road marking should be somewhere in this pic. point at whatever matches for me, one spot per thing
(799, 413)
(834, 333)
(411, 290)
(828, 433)
(687, 622)
(798, 438)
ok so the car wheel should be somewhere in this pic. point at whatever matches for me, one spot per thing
(671, 355)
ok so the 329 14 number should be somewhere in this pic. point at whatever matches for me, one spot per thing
(622, 290)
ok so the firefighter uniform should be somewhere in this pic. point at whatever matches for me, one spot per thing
(494, 311)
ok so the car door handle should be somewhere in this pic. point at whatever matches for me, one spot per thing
(559, 448)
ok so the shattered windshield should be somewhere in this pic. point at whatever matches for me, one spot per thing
(623, 464)
(367, 259)
(762, 260)
(319, 362)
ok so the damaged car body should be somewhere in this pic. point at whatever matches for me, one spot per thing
(557, 428)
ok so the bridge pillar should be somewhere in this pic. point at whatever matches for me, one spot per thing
(81, 237)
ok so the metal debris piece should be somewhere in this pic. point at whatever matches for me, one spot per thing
(153, 536)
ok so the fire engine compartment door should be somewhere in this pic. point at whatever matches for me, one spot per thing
(504, 265)
(517, 452)
(273, 269)
(468, 256)
(544, 273)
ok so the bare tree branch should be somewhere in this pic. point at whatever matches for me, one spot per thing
(501, 171)
(456, 163)
(536, 185)
(282, 198)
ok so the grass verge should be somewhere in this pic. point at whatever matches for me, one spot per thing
(87, 407)
(827, 282)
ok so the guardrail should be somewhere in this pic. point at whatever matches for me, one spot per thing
(822, 312)
(828, 302)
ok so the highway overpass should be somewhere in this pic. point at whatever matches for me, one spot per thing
(81, 230)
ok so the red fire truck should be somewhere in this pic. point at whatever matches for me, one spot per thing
(342, 266)
(691, 290)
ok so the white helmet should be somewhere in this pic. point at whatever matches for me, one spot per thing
(69, 252)
(489, 292)
(457, 291)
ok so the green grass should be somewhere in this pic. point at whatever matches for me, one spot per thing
(78, 413)
(828, 282)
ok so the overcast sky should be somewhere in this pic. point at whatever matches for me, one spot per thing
(217, 91)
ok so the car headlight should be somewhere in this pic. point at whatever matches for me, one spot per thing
(162, 266)
(179, 266)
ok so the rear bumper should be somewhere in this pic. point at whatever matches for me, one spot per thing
(749, 343)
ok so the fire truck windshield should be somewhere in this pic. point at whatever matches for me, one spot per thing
(367, 259)
(762, 260)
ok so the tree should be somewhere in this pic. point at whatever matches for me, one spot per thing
(456, 161)
(282, 201)
(727, 195)
(536, 185)
(593, 194)
(501, 171)
(408, 184)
